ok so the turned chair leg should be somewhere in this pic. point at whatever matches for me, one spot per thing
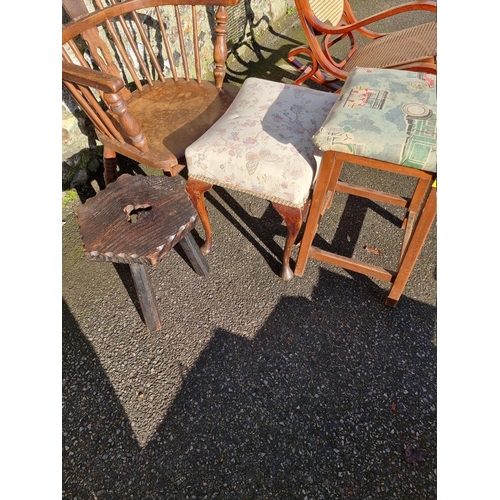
(110, 171)
(293, 218)
(196, 190)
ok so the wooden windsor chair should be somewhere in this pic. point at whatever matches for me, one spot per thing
(139, 70)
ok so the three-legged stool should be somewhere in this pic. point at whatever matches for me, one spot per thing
(383, 119)
(136, 220)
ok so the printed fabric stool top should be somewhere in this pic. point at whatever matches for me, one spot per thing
(384, 114)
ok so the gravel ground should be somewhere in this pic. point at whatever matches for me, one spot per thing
(254, 388)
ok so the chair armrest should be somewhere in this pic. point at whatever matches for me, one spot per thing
(110, 86)
(104, 82)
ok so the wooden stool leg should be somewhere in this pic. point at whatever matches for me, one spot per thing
(415, 245)
(146, 296)
(317, 207)
(194, 255)
(419, 194)
(417, 197)
(293, 218)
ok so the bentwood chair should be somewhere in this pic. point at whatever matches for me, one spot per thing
(140, 70)
(327, 61)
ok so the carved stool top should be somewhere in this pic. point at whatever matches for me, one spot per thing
(136, 219)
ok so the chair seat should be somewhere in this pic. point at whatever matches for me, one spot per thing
(262, 144)
(398, 48)
(387, 115)
(183, 111)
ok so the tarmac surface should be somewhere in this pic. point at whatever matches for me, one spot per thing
(254, 388)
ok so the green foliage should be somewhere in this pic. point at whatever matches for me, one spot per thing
(69, 197)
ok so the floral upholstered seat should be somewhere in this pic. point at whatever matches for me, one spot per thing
(262, 145)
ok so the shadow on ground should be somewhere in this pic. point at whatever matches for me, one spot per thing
(321, 403)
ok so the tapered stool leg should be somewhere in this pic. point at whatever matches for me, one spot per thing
(317, 208)
(146, 296)
(194, 255)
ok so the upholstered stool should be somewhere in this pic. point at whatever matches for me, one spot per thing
(136, 220)
(262, 146)
(383, 119)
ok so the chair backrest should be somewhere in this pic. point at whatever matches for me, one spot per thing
(141, 42)
(327, 10)
(316, 16)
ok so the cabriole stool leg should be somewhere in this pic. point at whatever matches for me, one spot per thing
(196, 190)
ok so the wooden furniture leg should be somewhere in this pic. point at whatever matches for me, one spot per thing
(196, 190)
(414, 247)
(146, 296)
(293, 218)
(194, 255)
(110, 171)
(328, 175)
(419, 194)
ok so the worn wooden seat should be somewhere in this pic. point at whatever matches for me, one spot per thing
(326, 23)
(137, 220)
(140, 70)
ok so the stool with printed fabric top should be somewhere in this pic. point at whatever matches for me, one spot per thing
(387, 120)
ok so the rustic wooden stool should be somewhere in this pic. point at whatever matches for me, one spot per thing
(136, 220)
(386, 120)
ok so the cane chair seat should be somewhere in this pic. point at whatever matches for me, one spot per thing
(394, 49)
